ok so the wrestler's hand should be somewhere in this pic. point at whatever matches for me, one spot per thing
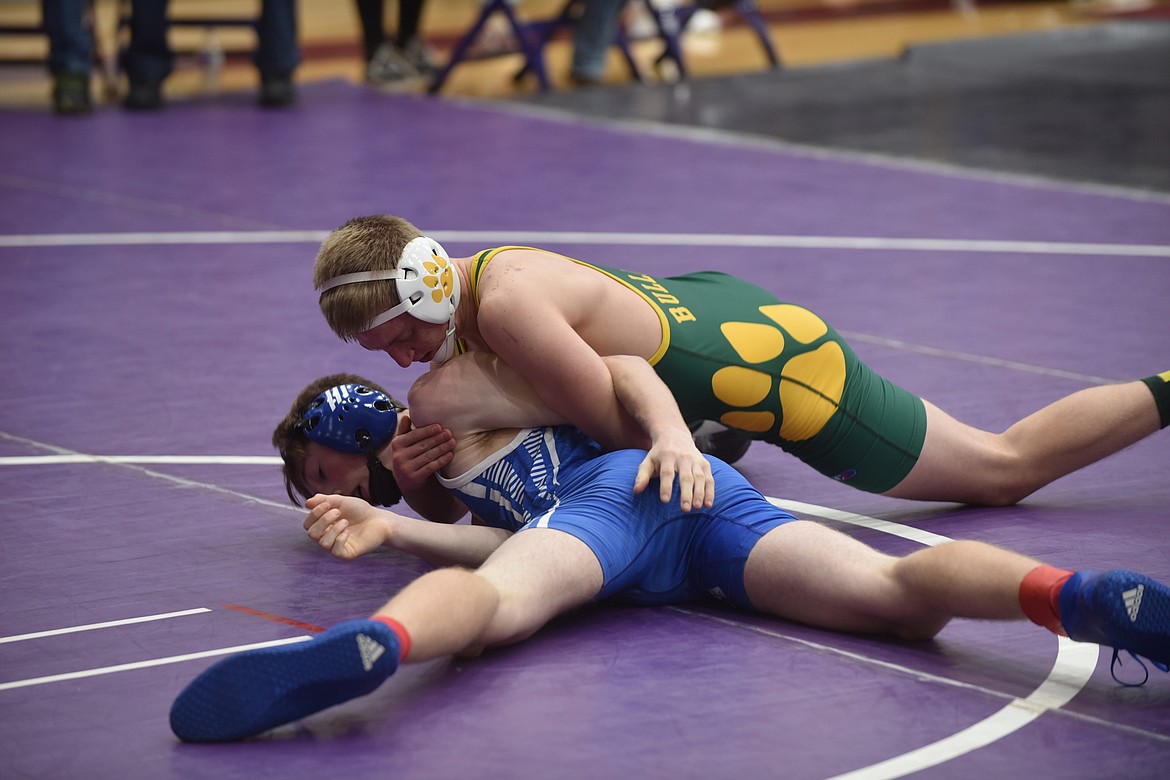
(417, 453)
(347, 527)
(675, 455)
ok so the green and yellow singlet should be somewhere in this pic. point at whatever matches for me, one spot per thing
(732, 352)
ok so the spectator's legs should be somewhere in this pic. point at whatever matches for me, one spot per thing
(70, 53)
(277, 54)
(409, 18)
(594, 32)
(373, 19)
(70, 42)
(148, 59)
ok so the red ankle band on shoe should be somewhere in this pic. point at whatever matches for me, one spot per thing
(1040, 596)
(399, 631)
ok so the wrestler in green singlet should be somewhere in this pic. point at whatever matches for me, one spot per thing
(732, 352)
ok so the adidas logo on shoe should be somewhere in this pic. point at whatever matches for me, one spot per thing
(1133, 601)
(371, 651)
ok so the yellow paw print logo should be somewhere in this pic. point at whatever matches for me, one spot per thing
(810, 384)
(439, 276)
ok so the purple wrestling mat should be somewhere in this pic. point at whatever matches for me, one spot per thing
(159, 318)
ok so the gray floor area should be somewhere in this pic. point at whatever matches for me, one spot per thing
(1087, 105)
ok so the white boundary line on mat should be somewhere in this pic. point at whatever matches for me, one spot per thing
(1074, 665)
(746, 241)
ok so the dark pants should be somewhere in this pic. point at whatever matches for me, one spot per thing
(149, 59)
(373, 19)
(69, 28)
(593, 33)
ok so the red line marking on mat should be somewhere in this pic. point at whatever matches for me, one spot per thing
(275, 618)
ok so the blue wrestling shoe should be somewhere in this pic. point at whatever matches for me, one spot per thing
(254, 691)
(1123, 609)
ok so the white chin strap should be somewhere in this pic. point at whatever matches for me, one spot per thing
(447, 351)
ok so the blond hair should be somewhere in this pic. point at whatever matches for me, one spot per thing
(372, 243)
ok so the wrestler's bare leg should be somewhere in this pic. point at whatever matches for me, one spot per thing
(531, 578)
(812, 574)
(964, 464)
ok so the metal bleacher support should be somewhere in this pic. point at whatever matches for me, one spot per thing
(672, 23)
(533, 35)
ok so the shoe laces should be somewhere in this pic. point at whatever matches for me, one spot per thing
(1141, 662)
(389, 64)
(420, 56)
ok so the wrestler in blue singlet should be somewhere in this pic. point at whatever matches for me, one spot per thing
(650, 552)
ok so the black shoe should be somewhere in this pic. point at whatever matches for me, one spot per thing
(727, 444)
(71, 94)
(585, 82)
(144, 96)
(277, 92)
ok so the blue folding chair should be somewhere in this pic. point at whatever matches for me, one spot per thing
(531, 36)
(672, 23)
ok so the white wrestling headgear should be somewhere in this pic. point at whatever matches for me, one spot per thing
(428, 288)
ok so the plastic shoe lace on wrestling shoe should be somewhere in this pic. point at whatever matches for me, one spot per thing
(1116, 662)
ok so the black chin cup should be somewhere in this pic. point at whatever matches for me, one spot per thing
(384, 489)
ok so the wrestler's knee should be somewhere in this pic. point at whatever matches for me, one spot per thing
(922, 628)
(962, 463)
(992, 473)
(1005, 479)
(517, 616)
(910, 612)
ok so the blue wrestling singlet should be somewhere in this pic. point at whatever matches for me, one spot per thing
(650, 552)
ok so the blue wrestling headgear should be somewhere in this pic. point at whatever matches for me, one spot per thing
(335, 418)
(357, 419)
(428, 288)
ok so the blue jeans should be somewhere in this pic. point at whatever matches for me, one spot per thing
(70, 32)
(593, 34)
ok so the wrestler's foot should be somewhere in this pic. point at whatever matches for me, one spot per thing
(1123, 609)
(727, 444)
(254, 691)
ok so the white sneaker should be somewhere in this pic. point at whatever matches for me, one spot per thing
(420, 56)
(390, 66)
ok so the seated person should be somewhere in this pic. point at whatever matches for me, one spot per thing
(563, 528)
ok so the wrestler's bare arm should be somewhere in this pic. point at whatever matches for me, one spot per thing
(416, 454)
(649, 401)
(568, 376)
(349, 528)
(477, 392)
(552, 320)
